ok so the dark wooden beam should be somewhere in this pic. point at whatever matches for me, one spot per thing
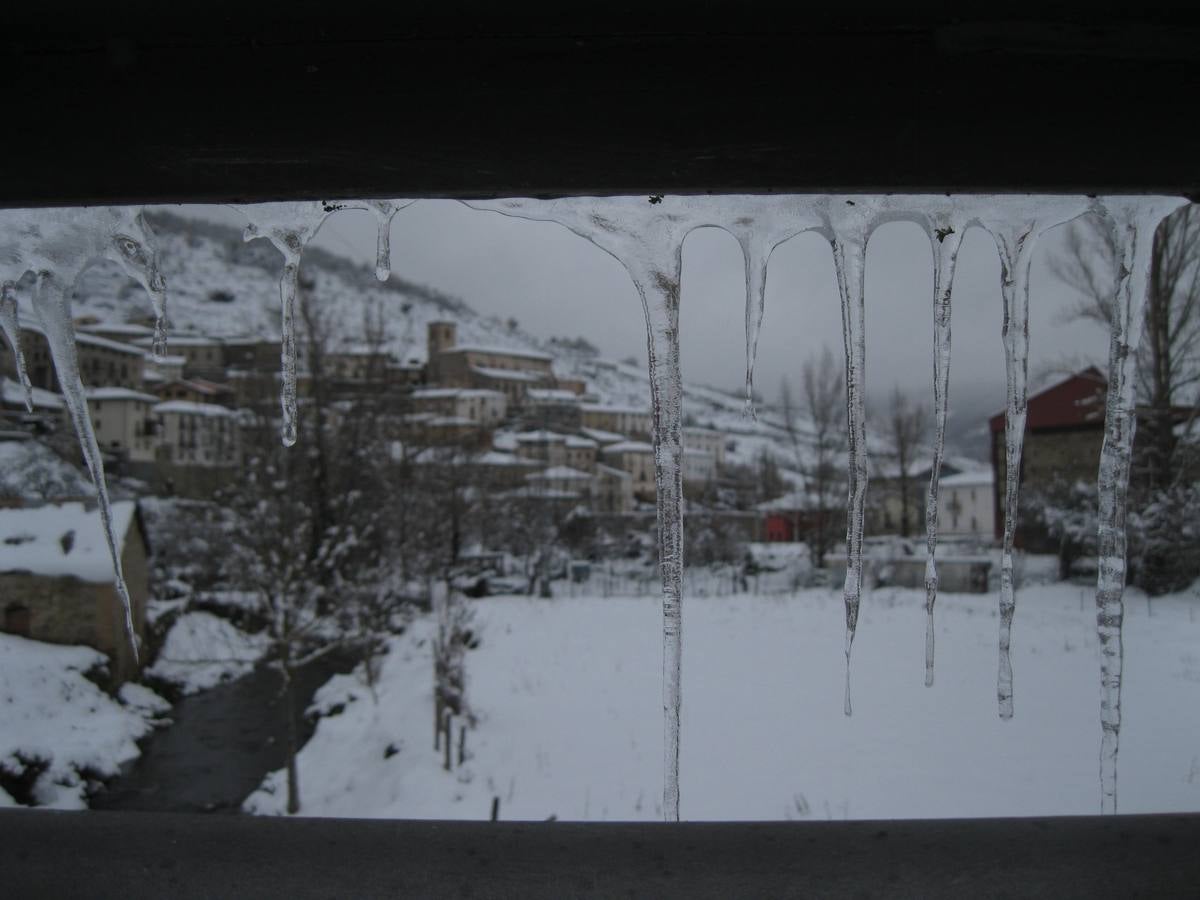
(131, 855)
(214, 101)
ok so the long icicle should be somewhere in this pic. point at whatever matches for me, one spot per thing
(756, 256)
(52, 306)
(660, 288)
(850, 257)
(1016, 257)
(1132, 222)
(11, 326)
(945, 244)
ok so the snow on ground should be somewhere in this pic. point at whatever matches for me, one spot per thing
(202, 650)
(51, 716)
(568, 695)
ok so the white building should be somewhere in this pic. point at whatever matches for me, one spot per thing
(482, 407)
(966, 504)
(706, 440)
(699, 466)
(198, 434)
(637, 459)
(125, 422)
(627, 420)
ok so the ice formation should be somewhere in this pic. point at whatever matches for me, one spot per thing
(1132, 221)
(289, 226)
(947, 225)
(1015, 224)
(646, 234)
(12, 332)
(55, 246)
(384, 211)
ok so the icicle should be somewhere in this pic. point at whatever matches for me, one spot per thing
(756, 301)
(12, 331)
(54, 312)
(946, 234)
(56, 245)
(1132, 222)
(658, 283)
(384, 211)
(850, 259)
(646, 235)
(289, 227)
(1015, 225)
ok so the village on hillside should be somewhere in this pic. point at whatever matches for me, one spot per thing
(548, 448)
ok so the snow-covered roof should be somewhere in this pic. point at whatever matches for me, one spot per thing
(187, 407)
(183, 340)
(551, 395)
(450, 421)
(82, 337)
(14, 395)
(790, 501)
(560, 473)
(613, 473)
(168, 360)
(579, 443)
(629, 447)
(612, 408)
(499, 458)
(506, 374)
(600, 436)
(127, 328)
(437, 393)
(540, 437)
(61, 539)
(499, 351)
(968, 479)
(120, 393)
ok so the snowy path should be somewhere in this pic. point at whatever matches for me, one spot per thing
(221, 745)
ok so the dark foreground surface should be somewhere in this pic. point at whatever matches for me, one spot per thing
(108, 854)
(221, 745)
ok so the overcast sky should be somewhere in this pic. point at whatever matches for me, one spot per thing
(556, 283)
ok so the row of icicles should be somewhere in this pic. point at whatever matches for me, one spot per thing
(46, 250)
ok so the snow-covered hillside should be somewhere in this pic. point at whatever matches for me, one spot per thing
(222, 286)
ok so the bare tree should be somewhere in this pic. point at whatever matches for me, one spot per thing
(824, 406)
(904, 427)
(1169, 355)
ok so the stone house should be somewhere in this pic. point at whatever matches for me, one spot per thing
(57, 583)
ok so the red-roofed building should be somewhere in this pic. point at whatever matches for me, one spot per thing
(1064, 428)
(1064, 431)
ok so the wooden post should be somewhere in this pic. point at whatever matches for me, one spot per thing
(462, 743)
(446, 745)
(495, 809)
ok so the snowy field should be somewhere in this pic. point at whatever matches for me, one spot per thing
(567, 693)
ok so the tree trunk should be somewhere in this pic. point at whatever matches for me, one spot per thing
(293, 774)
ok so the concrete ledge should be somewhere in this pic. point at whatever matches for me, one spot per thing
(98, 854)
